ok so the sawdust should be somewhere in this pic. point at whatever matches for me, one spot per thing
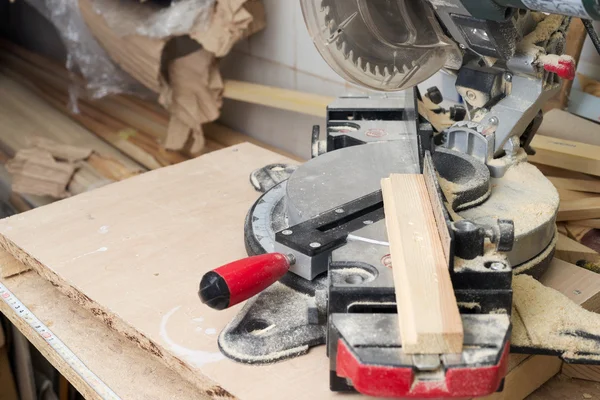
(551, 320)
(350, 276)
(573, 356)
(518, 337)
(472, 306)
(543, 32)
(285, 315)
(521, 180)
(554, 59)
(538, 16)
(449, 189)
(478, 263)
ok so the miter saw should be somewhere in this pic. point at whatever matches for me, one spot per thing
(320, 271)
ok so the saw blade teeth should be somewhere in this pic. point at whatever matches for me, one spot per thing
(359, 63)
(336, 31)
(377, 70)
(350, 55)
(371, 68)
(386, 72)
(330, 24)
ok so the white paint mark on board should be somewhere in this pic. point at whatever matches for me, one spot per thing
(103, 229)
(210, 331)
(197, 358)
(199, 319)
(100, 250)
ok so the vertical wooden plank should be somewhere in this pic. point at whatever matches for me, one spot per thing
(429, 319)
(575, 40)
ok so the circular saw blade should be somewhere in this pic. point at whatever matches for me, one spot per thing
(381, 44)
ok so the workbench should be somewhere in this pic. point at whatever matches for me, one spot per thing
(126, 368)
(133, 372)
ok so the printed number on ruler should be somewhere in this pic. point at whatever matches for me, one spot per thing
(75, 363)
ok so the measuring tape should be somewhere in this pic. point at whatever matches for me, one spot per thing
(59, 347)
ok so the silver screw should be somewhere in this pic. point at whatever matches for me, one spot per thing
(291, 258)
(497, 266)
(339, 211)
(508, 77)
(494, 121)
(315, 245)
(368, 222)
(287, 232)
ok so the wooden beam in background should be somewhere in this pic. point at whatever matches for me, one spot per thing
(572, 210)
(284, 99)
(566, 154)
(580, 185)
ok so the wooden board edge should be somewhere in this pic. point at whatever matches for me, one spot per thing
(116, 324)
(58, 362)
(527, 377)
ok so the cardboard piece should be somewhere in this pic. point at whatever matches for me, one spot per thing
(161, 67)
(34, 171)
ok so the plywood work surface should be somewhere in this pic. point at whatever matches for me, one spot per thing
(133, 254)
(118, 362)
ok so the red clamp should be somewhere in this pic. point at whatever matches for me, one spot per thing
(391, 382)
(563, 66)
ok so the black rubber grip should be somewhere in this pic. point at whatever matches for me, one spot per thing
(214, 291)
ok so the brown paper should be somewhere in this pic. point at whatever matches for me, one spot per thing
(194, 96)
(230, 22)
(190, 87)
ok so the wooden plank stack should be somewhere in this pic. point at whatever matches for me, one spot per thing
(568, 153)
(126, 134)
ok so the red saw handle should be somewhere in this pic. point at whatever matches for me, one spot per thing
(235, 282)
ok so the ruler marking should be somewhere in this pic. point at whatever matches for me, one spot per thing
(57, 345)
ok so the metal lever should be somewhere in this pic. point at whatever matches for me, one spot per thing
(238, 281)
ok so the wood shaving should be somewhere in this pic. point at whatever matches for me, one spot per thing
(550, 319)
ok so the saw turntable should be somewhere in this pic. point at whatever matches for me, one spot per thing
(320, 268)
